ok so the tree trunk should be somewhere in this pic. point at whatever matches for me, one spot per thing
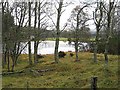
(14, 61)
(29, 43)
(56, 50)
(76, 51)
(96, 42)
(106, 53)
(13, 65)
(98, 26)
(95, 53)
(108, 35)
(8, 61)
(76, 38)
(4, 58)
(16, 58)
(35, 42)
(30, 55)
(35, 52)
(58, 32)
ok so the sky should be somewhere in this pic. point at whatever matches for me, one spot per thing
(65, 16)
(68, 10)
(67, 13)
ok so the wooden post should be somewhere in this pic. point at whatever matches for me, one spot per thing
(94, 83)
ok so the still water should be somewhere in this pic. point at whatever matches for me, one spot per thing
(47, 47)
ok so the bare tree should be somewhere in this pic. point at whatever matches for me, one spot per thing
(35, 43)
(40, 23)
(78, 18)
(17, 44)
(14, 22)
(7, 20)
(59, 8)
(97, 16)
(109, 10)
(29, 43)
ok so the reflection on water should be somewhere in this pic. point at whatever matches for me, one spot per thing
(47, 47)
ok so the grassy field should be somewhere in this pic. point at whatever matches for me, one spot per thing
(53, 39)
(66, 74)
(66, 39)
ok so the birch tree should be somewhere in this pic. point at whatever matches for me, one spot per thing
(78, 19)
(40, 23)
(29, 25)
(98, 20)
(35, 43)
(109, 10)
(58, 7)
(59, 12)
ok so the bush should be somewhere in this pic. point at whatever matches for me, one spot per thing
(113, 46)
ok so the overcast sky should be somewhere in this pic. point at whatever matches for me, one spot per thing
(68, 10)
(90, 10)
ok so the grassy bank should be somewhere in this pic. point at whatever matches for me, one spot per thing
(66, 74)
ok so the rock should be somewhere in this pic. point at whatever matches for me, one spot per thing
(40, 56)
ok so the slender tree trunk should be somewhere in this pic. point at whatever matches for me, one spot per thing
(17, 52)
(56, 50)
(96, 46)
(4, 58)
(8, 59)
(13, 65)
(4, 44)
(29, 43)
(76, 50)
(35, 52)
(14, 59)
(30, 55)
(58, 32)
(97, 21)
(95, 52)
(106, 53)
(35, 41)
(108, 32)
(76, 38)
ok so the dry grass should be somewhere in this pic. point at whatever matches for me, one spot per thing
(66, 74)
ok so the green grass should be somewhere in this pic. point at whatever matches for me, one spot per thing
(66, 39)
(66, 74)
(92, 39)
(53, 39)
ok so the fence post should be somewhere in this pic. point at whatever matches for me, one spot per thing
(94, 83)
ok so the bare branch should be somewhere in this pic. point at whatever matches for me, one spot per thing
(64, 27)
(51, 20)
